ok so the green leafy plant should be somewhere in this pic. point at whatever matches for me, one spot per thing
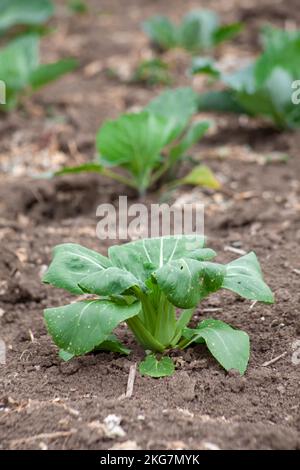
(78, 6)
(199, 29)
(21, 71)
(143, 283)
(152, 72)
(24, 13)
(264, 88)
(150, 144)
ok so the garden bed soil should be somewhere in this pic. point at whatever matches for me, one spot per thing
(47, 404)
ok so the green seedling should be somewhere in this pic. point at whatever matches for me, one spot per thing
(21, 71)
(264, 88)
(28, 13)
(78, 6)
(199, 30)
(149, 145)
(154, 285)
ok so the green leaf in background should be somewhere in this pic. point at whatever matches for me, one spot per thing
(263, 88)
(80, 327)
(244, 276)
(199, 29)
(205, 65)
(21, 71)
(156, 368)
(85, 167)
(161, 31)
(134, 142)
(148, 144)
(201, 175)
(177, 105)
(24, 12)
(194, 133)
(78, 6)
(227, 32)
(18, 60)
(230, 347)
(71, 263)
(220, 101)
(49, 72)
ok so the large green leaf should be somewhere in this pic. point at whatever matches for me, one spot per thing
(71, 263)
(156, 368)
(186, 281)
(230, 347)
(143, 257)
(18, 60)
(79, 327)
(244, 276)
(283, 54)
(135, 141)
(24, 12)
(161, 31)
(111, 344)
(47, 73)
(180, 282)
(112, 281)
(177, 105)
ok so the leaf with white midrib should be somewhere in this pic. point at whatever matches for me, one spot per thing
(71, 263)
(230, 347)
(79, 327)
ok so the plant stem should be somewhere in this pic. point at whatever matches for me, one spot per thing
(159, 173)
(117, 177)
(166, 321)
(143, 335)
(184, 343)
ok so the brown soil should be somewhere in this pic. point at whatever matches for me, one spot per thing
(257, 209)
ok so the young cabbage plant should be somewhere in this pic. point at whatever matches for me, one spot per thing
(149, 145)
(154, 285)
(21, 71)
(265, 87)
(28, 13)
(199, 30)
